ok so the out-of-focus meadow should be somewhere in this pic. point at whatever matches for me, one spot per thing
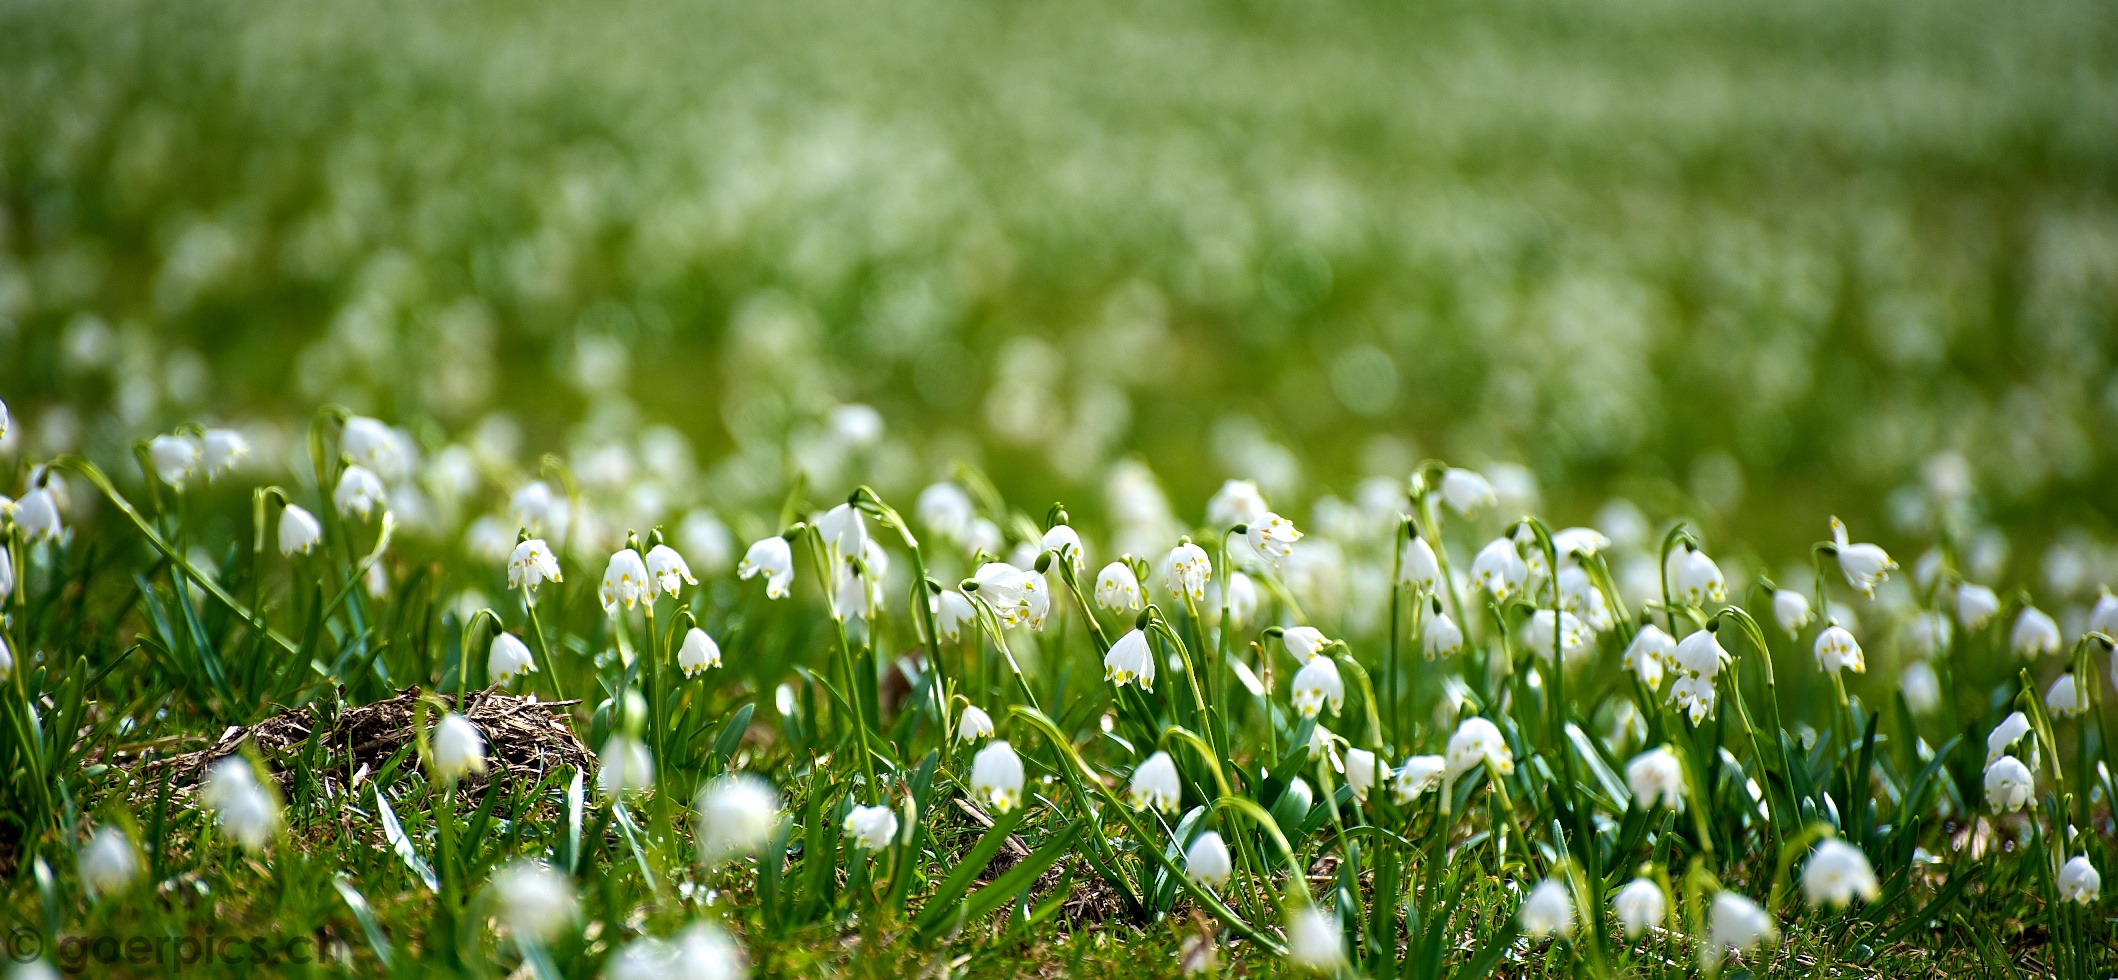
(1747, 261)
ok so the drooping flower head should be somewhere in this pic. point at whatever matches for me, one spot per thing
(1316, 684)
(1207, 862)
(625, 581)
(1837, 873)
(996, 776)
(298, 531)
(1188, 571)
(872, 827)
(1864, 565)
(1837, 650)
(360, 492)
(1117, 589)
(1791, 610)
(1498, 569)
(1155, 784)
(1548, 911)
(175, 457)
(458, 748)
(667, 570)
(507, 657)
(772, 558)
(698, 653)
(1273, 537)
(532, 564)
(1656, 778)
(1131, 659)
(736, 814)
(1640, 906)
(2008, 784)
(1477, 742)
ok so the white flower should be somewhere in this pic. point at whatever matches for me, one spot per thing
(222, 449)
(532, 564)
(1578, 540)
(1695, 695)
(1656, 777)
(1581, 598)
(376, 447)
(376, 580)
(458, 748)
(37, 514)
(1921, 687)
(1694, 578)
(7, 571)
(2035, 634)
(2078, 880)
(1273, 537)
(1130, 659)
(2008, 784)
(1975, 604)
(1573, 636)
(109, 862)
(1314, 941)
(872, 827)
(952, 609)
(945, 510)
(1207, 862)
(1927, 634)
(1155, 784)
(174, 457)
(627, 767)
(1242, 599)
(536, 507)
(1117, 589)
(996, 776)
(1864, 565)
(244, 809)
(736, 812)
(507, 657)
(3, 420)
(2104, 617)
(1315, 684)
(1013, 593)
(1362, 770)
(1650, 652)
(772, 558)
(359, 493)
(1187, 571)
(844, 531)
(1498, 569)
(625, 581)
(1304, 642)
(1475, 742)
(1836, 649)
(298, 531)
(2011, 729)
(1791, 609)
(1237, 502)
(698, 653)
(1439, 636)
(1701, 653)
(668, 570)
(1837, 873)
(1039, 591)
(1418, 567)
(1062, 541)
(1640, 906)
(1548, 911)
(1465, 491)
(536, 902)
(973, 724)
(1737, 923)
(2064, 698)
(1419, 774)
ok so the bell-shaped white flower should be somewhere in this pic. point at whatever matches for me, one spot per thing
(1656, 778)
(1640, 906)
(7, 660)
(844, 530)
(2103, 617)
(1837, 874)
(2035, 634)
(242, 807)
(2012, 729)
(536, 902)
(507, 657)
(222, 450)
(667, 570)
(1419, 774)
(2064, 698)
(973, 724)
(1737, 923)
(1237, 502)
(698, 653)
(532, 564)
(1304, 642)
(7, 571)
(1837, 650)
(1649, 654)
(360, 492)
(1439, 636)
(1498, 569)
(175, 458)
(1975, 605)
(1013, 593)
(1864, 565)
(626, 767)
(772, 558)
(1695, 695)
(1477, 742)
(952, 611)
(1418, 567)
(1117, 589)
(625, 581)
(1578, 541)
(109, 862)
(946, 510)
(1062, 541)
(1466, 492)
(37, 514)
(1273, 537)
(2079, 882)
(1207, 861)
(535, 506)
(1694, 578)
(1921, 687)
(1574, 637)
(1548, 911)
(1791, 610)
(1130, 659)
(1317, 684)
(458, 748)
(2008, 784)
(1155, 784)
(1363, 770)
(1701, 653)
(1187, 571)
(1242, 598)
(1314, 941)
(1579, 597)
(996, 776)
(736, 814)
(298, 531)
(376, 447)
(872, 827)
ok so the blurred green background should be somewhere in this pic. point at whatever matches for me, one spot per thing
(1757, 261)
